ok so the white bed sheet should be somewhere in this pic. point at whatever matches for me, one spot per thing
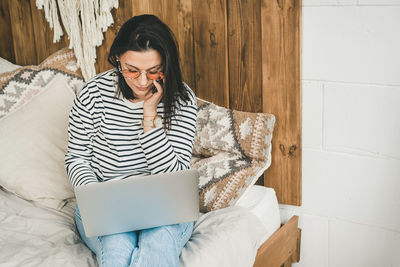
(262, 202)
(6, 66)
(231, 237)
(34, 236)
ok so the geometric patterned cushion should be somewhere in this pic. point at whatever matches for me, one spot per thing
(231, 150)
(19, 86)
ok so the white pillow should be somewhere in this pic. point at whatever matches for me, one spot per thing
(6, 66)
(33, 142)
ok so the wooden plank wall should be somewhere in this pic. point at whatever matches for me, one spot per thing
(6, 48)
(244, 55)
(281, 77)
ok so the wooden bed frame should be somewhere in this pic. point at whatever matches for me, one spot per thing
(244, 55)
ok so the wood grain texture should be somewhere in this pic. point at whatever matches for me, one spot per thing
(160, 8)
(244, 55)
(184, 33)
(22, 32)
(281, 51)
(140, 7)
(279, 247)
(209, 36)
(44, 34)
(288, 263)
(178, 16)
(244, 43)
(120, 15)
(6, 46)
(296, 255)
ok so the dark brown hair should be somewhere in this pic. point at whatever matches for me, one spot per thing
(142, 33)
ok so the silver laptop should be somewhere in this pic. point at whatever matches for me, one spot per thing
(138, 202)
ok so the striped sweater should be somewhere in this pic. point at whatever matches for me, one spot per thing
(106, 139)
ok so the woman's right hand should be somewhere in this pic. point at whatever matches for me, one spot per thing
(151, 102)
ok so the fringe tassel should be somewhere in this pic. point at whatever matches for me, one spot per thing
(84, 21)
(50, 12)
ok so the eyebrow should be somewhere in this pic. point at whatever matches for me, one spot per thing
(145, 69)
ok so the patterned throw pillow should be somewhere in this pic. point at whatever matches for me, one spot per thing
(231, 150)
(19, 86)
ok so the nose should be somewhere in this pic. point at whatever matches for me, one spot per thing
(143, 79)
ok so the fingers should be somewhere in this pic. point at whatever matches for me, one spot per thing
(158, 86)
(153, 99)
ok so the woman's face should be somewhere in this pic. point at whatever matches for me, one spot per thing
(144, 62)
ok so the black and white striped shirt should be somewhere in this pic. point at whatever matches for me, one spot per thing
(106, 139)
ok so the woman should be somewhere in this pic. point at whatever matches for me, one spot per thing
(121, 126)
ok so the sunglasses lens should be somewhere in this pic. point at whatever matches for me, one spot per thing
(153, 76)
(133, 74)
(130, 74)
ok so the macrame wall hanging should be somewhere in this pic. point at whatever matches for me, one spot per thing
(84, 21)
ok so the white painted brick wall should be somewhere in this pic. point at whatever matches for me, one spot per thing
(379, 2)
(350, 214)
(329, 2)
(352, 44)
(318, 3)
(362, 118)
(353, 244)
(351, 187)
(312, 93)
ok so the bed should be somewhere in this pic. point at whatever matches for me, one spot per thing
(33, 236)
(243, 227)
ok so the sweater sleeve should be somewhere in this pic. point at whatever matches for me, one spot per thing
(171, 151)
(79, 150)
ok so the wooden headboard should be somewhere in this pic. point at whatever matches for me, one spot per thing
(244, 55)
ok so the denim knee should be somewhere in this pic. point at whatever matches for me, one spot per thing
(162, 246)
(117, 249)
(181, 233)
(110, 250)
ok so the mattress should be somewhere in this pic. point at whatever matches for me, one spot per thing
(231, 237)
(262, 202)
(34, 236)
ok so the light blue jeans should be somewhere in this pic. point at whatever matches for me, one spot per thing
(159, 246)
